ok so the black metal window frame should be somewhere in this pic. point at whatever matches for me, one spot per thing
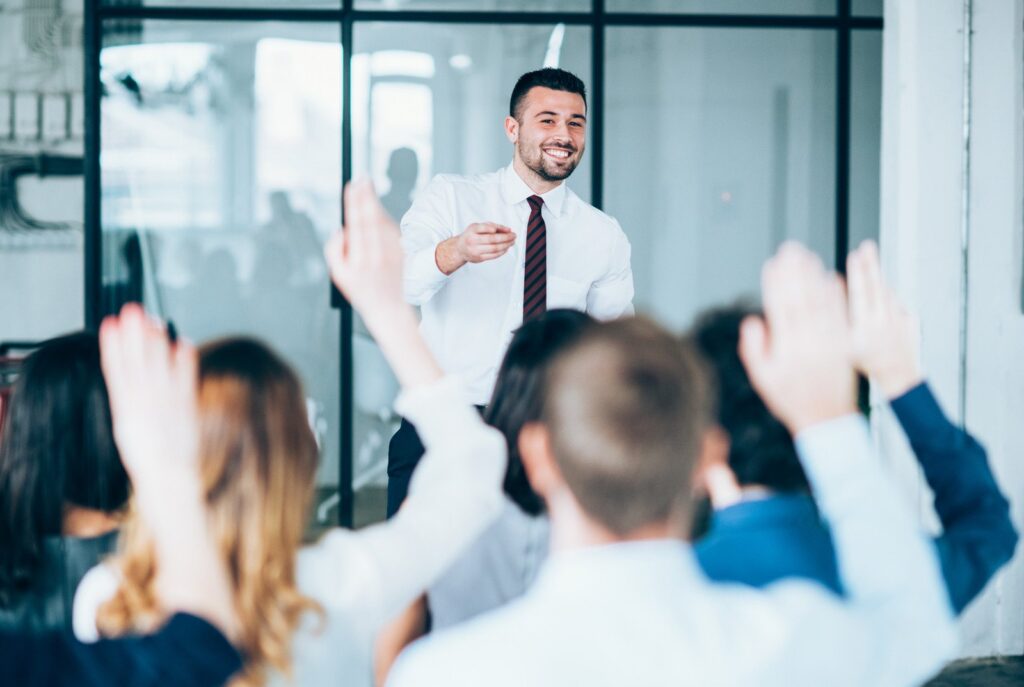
(842, 22)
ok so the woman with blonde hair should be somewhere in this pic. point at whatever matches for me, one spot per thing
(309, 615)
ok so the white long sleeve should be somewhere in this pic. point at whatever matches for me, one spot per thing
(429, 221)
(895, 627)
(455, 494)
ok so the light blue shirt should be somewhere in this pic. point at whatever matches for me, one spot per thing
(643, 613)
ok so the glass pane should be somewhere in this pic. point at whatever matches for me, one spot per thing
(430, 99)
(867, 8)
(221, 166)
(478, 5)
(724, 6)
(733, 133)
(865, 135)
(290, 4)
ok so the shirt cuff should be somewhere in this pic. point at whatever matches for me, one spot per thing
(218, 656)
(437, 410)
(833, 451)
(918, 411)
(423, 265)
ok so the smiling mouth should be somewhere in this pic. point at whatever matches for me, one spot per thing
(560, 154)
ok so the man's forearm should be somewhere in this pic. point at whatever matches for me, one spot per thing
(448, 257)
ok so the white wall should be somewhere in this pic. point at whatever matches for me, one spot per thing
(921, 223)
(41, 277)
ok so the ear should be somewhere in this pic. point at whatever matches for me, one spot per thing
(713, 476)
(539, 459)
(511, 129)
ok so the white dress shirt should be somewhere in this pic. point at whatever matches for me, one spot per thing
(364, 579)
(468, 317)
(643, 613)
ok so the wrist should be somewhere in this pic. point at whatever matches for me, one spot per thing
(164, 500)
(895, 385)
(448, 256)
(802, 421)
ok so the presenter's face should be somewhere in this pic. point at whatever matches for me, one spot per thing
(551, 132)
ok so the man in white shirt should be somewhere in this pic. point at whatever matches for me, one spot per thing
(621, 601)
(485, 253)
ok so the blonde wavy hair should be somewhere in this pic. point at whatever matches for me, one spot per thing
(259, 461)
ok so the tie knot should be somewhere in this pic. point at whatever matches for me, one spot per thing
(535, 201)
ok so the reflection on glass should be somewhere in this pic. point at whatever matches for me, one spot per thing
(430, 99)
(290, 4)
(719, 144)
(724, 6)
(865, 135)
(478, 5)
(221, 159)
(867, 8)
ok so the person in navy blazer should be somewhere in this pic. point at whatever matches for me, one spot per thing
(763, 525)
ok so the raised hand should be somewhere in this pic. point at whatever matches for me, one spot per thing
(152, 388)
(799, 359)
(885, 336)
(365, 262)
(365, 258)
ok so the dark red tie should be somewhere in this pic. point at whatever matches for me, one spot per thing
(535, 276)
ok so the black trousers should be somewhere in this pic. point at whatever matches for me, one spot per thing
(404, 453)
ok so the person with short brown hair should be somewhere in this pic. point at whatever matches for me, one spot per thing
(621, 599)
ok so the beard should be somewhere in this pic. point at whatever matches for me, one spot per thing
(543, 166)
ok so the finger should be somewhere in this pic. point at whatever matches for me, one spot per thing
(754, 348)
(495, 240)
(858, 299)
(186, 369)
(134, 357)
(491, 255)
(354, 224)
(110, 359)
(374, 217)
(334, 253)
(871, 270)
(490, 228)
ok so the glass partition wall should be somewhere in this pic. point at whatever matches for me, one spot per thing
(219, 134)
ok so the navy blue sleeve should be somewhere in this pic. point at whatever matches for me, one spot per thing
(186, 652)
(978, 537)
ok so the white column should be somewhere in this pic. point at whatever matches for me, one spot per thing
(921, 222)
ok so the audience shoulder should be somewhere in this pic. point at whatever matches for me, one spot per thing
(96, 588)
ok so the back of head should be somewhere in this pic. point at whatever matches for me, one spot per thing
(761, 450)
(57, 450)
(626, 408)
(548, 77)
(259, 461)
(518, 393)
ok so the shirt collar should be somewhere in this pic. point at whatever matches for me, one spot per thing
(514, 190)
(652, 563)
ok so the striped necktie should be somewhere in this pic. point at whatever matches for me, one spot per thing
(535, 275)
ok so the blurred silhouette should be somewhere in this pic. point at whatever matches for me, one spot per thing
(403, 170)
(295, 232)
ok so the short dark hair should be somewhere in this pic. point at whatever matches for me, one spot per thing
(761, 450)
(518, 393)
(57, 449)
(627, 407)
(548, 77)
